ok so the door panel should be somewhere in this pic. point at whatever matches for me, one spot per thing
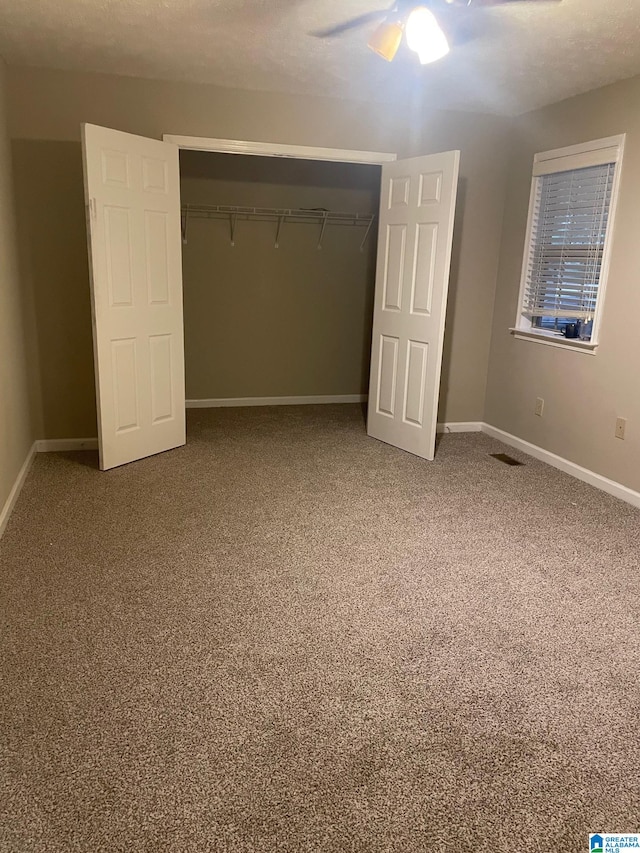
(162, 407)
(132, 191)
(125, 376)
(425, 267)
(415, 382)
(396, 243)
(388, 373)
(417, 208)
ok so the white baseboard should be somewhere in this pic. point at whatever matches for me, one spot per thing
(10, 502)
(218, 402)
(53, 445)
(461, 426)
(584, 474)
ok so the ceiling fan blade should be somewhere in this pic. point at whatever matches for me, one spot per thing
(478, 4)
(351, 24)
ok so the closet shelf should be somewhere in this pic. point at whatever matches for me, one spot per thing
(299, 216)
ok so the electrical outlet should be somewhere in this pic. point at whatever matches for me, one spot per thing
(539, 406)
(621, 425)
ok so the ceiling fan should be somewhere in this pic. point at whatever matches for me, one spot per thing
(420, 22)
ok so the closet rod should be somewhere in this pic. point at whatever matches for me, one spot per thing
(300, 216)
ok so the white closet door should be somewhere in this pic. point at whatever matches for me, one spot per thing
(417, 207)
(132, 189)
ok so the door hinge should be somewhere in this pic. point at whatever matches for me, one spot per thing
(93, 208)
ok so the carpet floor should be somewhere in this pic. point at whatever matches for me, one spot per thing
(287, 636)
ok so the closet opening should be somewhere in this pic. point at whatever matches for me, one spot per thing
(282, 317)
(279, 262)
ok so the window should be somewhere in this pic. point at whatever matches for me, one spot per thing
(571, 213)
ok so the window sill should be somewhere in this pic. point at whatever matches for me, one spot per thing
(551, 340)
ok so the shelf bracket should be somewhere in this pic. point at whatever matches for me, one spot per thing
(232, 227)
(366, 234)
(277, 243)
(184, 223)
(324, 225)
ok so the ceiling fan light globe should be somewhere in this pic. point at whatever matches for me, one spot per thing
(385, 40)
(425, 37)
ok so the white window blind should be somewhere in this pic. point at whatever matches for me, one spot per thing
(568, 232)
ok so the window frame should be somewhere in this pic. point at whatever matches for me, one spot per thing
(597, 152)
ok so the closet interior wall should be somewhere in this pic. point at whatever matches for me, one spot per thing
(290, 321)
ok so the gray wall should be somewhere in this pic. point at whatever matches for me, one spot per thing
(583, 394)
(263, 322)
(16, 391)
(484, 143)
(46, 109)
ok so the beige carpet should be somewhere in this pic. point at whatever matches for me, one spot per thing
(289, 637)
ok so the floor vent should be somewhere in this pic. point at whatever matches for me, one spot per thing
(504, 457)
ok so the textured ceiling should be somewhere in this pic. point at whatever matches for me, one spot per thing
(508, 59)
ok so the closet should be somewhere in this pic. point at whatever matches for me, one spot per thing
(278, 262)
(285, 314)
